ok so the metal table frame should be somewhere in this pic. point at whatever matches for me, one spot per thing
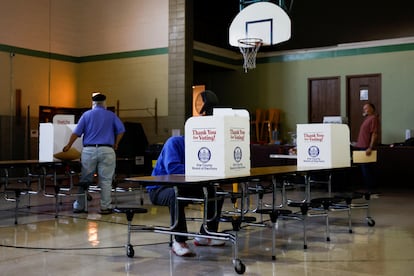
(203, 182)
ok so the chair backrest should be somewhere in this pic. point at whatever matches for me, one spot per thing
(274, 115)
(260, 115)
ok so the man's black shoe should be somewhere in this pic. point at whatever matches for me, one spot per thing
(105, 211)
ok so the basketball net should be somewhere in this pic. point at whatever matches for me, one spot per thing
(249, 48)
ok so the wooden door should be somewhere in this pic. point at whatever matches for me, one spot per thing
(324, 98)
(362, 89)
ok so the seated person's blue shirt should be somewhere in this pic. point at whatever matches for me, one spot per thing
(171, 159)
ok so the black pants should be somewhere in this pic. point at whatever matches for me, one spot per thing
(369, 174)
(165, 196)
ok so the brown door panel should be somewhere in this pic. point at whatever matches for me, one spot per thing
(324, 98)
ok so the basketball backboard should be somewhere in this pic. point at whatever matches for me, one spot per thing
(263, 20)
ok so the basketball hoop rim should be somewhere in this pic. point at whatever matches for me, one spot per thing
(249, 42)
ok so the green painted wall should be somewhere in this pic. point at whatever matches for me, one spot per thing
(282, 83)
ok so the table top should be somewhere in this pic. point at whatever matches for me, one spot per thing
(33, 162)
(180, 179)
(25, 162)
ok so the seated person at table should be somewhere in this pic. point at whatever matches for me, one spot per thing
(171, 161)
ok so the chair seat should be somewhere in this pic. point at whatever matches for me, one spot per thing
(247, 219)
(17, 189)
(130, 210)
(274, 211)
(326, 202)
(304, 206)
(348, 197)
(260, 189)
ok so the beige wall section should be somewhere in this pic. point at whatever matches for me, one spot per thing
(24, 23)
(5, 84)
(63, 83)
(127, 25)
(31, 75)
(42, 25)
(135, 82)
(83, 28)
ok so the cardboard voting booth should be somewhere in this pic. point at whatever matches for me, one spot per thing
(218, 145)
(52, 139)
(323, 145)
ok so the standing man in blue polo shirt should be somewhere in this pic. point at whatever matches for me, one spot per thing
(102, 131)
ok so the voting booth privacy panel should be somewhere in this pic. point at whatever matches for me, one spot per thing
(54, 136)
(218, 145)
(323, 145)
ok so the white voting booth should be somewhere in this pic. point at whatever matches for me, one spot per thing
(218, 145)
(54, 136)
(323, 145)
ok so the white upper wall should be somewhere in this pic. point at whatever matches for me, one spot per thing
(110, 26)
(25, 24)
(84, 27)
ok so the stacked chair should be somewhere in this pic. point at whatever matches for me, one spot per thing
(265, 122)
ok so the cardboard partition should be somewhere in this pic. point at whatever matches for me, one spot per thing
(52, 139)
(218, 145)
(323, 145)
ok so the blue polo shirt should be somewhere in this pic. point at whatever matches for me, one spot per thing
(99, 126)
(171, 159)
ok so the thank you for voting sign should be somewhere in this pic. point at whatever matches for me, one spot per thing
(218, 145)
(323, 145)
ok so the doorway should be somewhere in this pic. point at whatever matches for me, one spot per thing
(324, 98)
(362, 89)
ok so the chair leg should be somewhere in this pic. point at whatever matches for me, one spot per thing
(305, 237)
(349, 220)
(273, 240)
(261, 131)
(269, 130)
(16, 210)
(328, 238)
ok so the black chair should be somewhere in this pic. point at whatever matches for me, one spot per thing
(274, 214)
(130, 212)
(17, 182)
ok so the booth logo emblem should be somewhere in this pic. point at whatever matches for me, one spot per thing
(237, 154)
(313, 151)
(204, 155)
